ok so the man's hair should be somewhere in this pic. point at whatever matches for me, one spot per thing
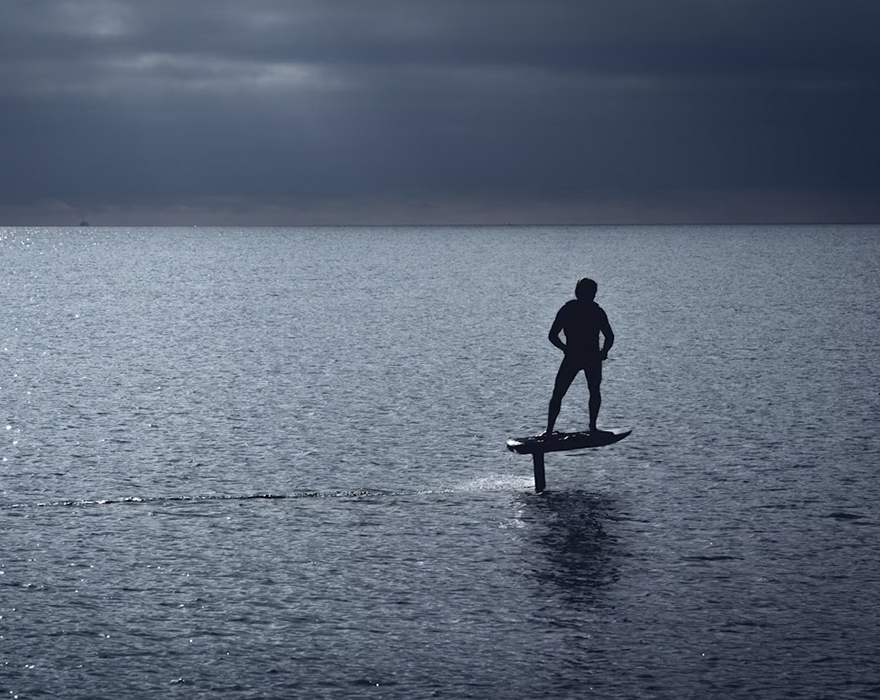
(585, 289)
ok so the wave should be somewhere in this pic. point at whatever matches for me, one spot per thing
(498, 483)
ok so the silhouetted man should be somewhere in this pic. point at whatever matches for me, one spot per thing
(581, 319)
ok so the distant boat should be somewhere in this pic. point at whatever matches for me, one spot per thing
(83, 223)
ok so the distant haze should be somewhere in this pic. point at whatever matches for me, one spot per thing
(125, 112)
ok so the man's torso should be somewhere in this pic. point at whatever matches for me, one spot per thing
(581, 322)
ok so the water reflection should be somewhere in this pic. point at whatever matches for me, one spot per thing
(573, 550)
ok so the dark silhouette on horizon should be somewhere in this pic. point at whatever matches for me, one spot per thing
(581, 320)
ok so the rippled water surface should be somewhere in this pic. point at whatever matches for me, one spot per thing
(269, 463)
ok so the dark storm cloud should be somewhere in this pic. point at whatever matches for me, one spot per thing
(110, 104)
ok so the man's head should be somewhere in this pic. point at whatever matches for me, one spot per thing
(585, 289)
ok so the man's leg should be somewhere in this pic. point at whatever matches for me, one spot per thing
(594, 380)
(564, 377)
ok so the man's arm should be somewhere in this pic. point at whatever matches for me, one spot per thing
(555, 330)
(608, 335)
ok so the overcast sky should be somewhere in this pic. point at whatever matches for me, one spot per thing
(438, 111)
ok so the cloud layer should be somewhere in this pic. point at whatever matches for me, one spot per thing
(218, 111)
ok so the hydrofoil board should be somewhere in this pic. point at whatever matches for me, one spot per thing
(559, 442)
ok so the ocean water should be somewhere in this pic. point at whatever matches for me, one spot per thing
(270, 463)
